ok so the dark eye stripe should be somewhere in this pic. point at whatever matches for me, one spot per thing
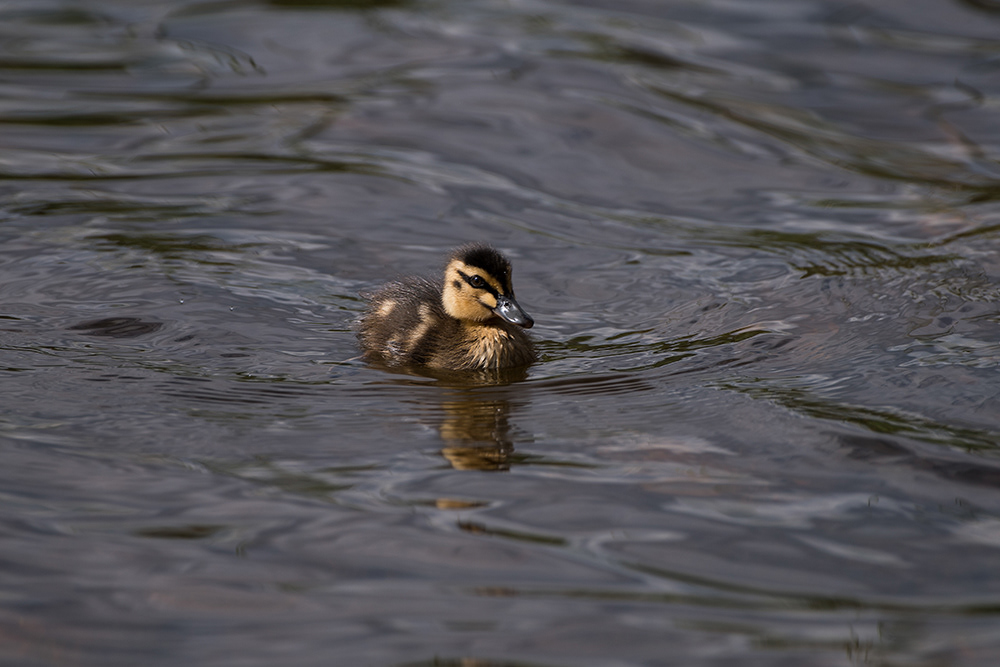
(479, 279)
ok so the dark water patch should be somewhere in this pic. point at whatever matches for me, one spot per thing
(117, 327)
(342, 5)
(200, 102)
(83, 118)
(473, 662)
(189, 532)
(57, 16)
(982, 5)
(60, 65)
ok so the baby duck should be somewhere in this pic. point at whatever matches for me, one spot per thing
(470, 321)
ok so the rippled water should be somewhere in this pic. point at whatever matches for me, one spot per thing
(760, 242)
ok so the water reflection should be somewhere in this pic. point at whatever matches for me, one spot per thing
(476, 433)
(474, 420)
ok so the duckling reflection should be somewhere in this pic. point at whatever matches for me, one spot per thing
(475, 421)
(477, 433)
(469, 321)
(474, 417)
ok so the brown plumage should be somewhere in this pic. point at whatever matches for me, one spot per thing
(468, 321)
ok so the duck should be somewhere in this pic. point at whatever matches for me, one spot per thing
(467, 321)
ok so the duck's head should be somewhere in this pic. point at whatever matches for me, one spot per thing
(477, 287)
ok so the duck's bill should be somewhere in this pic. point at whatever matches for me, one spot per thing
(508, 309)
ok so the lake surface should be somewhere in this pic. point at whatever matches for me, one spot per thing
(761, 244)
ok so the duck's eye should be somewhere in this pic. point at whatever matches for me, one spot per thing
(477, 281)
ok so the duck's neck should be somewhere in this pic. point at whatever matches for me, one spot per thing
(490, 344)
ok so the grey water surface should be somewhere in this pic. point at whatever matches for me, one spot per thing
(761, 243)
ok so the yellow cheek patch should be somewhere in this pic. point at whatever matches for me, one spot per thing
(488, 300)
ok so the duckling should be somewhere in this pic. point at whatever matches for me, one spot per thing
(470, 321)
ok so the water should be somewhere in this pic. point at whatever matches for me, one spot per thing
(760, 244)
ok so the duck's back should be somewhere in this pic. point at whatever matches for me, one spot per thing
(405, 323)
